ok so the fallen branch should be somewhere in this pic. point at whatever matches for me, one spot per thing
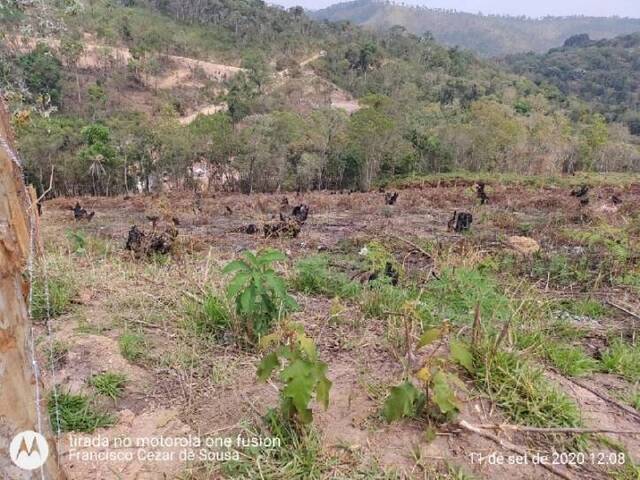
(631, 411)
(568, 430)
(514, 448)
(622, 309)
(410, 243)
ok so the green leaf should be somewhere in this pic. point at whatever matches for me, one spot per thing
(429, 337)
(308, 347)
(235, 265)
(400, 402)
(461, 354)
(237, 283)
(247, 300)
(276, 283)
(443, 395)
(300, 382)
(250, 259)
(270, 256)
(267, 365)
(322, 391)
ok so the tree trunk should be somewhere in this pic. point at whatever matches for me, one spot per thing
(18, 410)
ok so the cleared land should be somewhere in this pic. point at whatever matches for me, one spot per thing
(569, 357)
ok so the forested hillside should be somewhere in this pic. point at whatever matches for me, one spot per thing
(605, 73)
(116, 97)
(487, 35)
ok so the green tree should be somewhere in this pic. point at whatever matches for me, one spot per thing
(42, 74)
(594, 136)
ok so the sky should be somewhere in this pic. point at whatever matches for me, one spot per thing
(531, 8)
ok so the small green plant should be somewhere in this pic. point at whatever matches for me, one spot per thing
(76, 413)
(437, 396)
(58, 354)
(109, 384)
(380, 260)
(587, 307)
(78, 241)
(571, 360)
(457, 292)
(378, 302)
(132, 346)
(623, 359)
(314, 276)
(61, 292)
(208, 315)
(260, 294)
(561, 269)
(295, 454)
(301, 372)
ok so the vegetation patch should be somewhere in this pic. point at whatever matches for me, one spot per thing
(622, 359)
(456, 293)
(109, 384)
(76, 413)
(571, 360)
(315, 276)
(523, 392)
(132, 346)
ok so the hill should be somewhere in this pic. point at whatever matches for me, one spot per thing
(487, 35)
(605, 73)
(115, 97)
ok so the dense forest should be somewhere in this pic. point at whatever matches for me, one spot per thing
(605, 73)
(117, 96)
(487, 35)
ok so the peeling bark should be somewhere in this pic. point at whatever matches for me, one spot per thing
(17, 381)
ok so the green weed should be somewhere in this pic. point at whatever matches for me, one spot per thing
(109, 384)
(210, 316)
(132, 346)
(61, 292)
(299, 455)
(523, 392)
(314, 276)
(584, 307)
(382, 299)
(570, 360)
(77, 413)
(622, 359)
(455, 294)
(561, 269)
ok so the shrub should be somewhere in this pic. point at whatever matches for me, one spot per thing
(259, 293)
(302, 373)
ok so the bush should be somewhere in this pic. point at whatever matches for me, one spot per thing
(259, 293)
